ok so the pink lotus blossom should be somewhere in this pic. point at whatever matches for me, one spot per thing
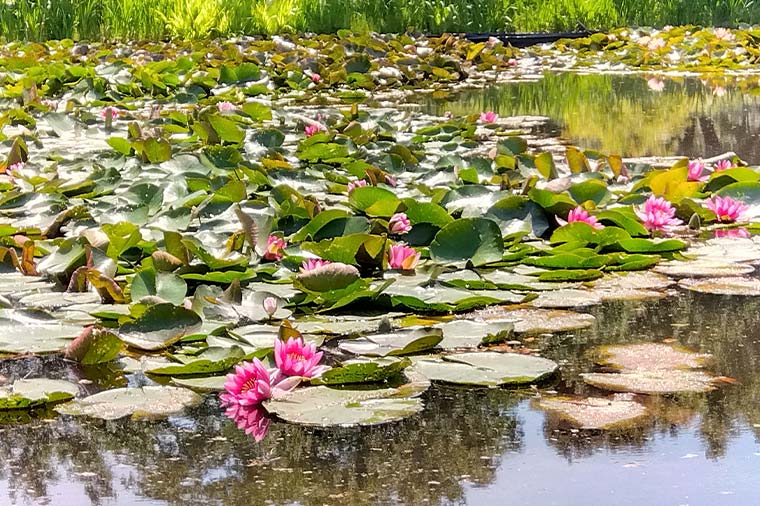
(16, 166)
(658, 214)
(581, 215)
(112, 111)
(310, 130)
(724, 34)
(252, 384)
(252, 419)
(275, 248)
(390, 180)
(401, 256)
(726, 209)
(399, 224)
(731, 233)
(723, 165)
(316, 78)
(656, 84)
(270, 305)
(294, 358)
(652, 43)
(512, 62)
(488, 117)
(695, 169)
(313, 263)
(226, 106)
(355, 184)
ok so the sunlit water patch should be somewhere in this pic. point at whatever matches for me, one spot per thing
(632, 115)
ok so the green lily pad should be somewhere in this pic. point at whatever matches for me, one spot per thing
(36, 392)
(328, 277)
(211, 361)
(565, 299)
(396, 343)
(34, 332)
(745, 287)
(595, 413)
(148, 402)
(94, 346)
(323, 406)
(205, 384)
(475, 239)
(537, 321)
(488, 368)
(363, 370)
(460, 334)
(159, 327)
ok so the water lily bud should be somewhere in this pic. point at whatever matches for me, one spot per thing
(270, 305)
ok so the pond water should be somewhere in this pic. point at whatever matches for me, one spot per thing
(631, 115)
(475, 447)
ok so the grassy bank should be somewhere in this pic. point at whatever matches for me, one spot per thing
(153, 19)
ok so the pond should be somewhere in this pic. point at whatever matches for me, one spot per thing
(477, 447)
(424, 265)
(633, 115)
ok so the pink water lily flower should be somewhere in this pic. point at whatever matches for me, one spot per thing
(112, 111)
(252, 383)
(313, 263)
(275, 248)
(658, 214)
(310, 130)
(656, 84)
(399, 224)
(16, 166)
(581, 215)
(488, 117)
(401, 256)
(226, 106)
(723, 165)
(724, 34)
(252, 419)
(726, 209)
(294, 358)
(695, 169)
(316, 78)
(732, 233)
(390, 180)
(270, 305)
(355, 184)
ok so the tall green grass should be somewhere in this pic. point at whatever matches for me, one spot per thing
(193, 19)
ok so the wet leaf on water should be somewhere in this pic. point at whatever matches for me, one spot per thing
(149, 402)
(653, 382)
(595, 413)
(36, 392)
(745, 287)
(159, 327)
(398, 342)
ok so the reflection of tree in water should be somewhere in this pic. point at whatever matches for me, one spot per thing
(727, 327)
(424, 460)
(621, 115)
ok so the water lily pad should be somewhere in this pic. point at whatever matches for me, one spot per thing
(322, 406)
(562, 299)
(747, 287)
(332, 276)
(148, 402)
(57, 300)
(399, 342)
(537, 321)
(212, 360)
(363, 370)
(647, 280)
(649, 356)
(34, 332)
(595, 413)
(488, 368)
(32, 393)
(205, 384)
(654, 382)
(460, 334)
(94, 346)
(703, 269)
(159, 327)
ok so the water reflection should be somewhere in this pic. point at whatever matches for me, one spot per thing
(468, 447)
(630, 115)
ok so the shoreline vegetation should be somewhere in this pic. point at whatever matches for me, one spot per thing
(36, 20)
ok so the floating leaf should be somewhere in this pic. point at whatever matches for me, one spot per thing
(475, 239)
(595, 413)
(94, 346)
(745, 287)
(653, 382)
(363, 370)
(36, 392)
(159, 327)
(399, 342)
(486, 369)
(148, 402)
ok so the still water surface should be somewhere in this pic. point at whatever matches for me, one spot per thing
(473, 447)
(629, 115)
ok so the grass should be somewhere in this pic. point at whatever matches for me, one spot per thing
(194, 19)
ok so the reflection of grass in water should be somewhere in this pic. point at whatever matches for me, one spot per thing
(614, 114)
